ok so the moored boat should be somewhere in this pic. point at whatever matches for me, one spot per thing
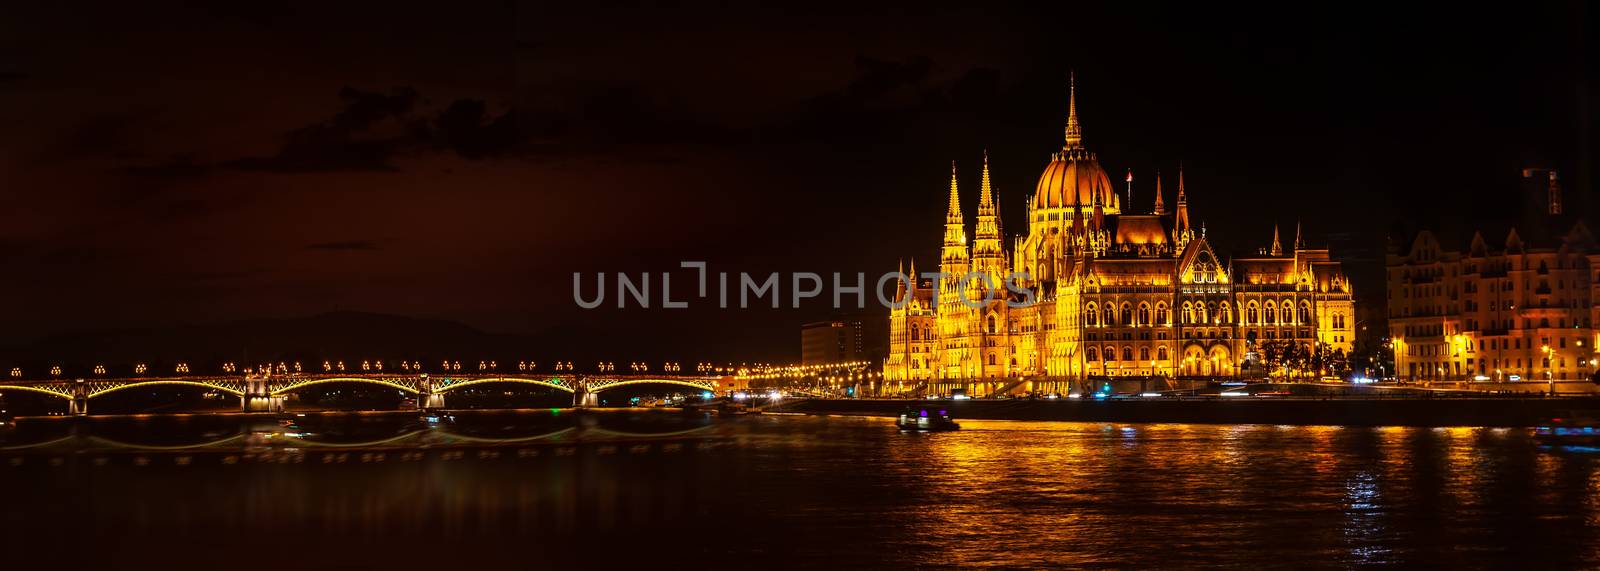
(925, 420)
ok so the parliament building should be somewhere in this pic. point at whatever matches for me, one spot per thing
(1101, 288)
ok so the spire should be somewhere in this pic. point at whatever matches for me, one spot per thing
(954, 258)
(987, 255)
(1298, 244)
(1074, 131)
(1277, 250)
(954, 214)
(1159, 205)
(986, 202)
(900, 286)
(1181, 223)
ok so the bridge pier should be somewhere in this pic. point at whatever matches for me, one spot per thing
(79, 405)
(428, 397)
(582, 397)
(258, 396)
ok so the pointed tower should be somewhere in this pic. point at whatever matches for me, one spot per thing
(1160, 206)
(1298, 244)
(1181, 224)
(1099, 214)
(900, 286)
(986, 254)
(1277, 250)
(953, 262)
(1074, 131)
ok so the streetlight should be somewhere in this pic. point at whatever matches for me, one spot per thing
(1549, 359)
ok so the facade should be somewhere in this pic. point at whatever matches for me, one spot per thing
(828, 342)
(1518, 308)
(1103, 289)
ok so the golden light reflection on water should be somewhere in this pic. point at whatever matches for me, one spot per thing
(855, 492)
(1122, 495)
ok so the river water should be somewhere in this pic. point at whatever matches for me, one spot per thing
(543, 489)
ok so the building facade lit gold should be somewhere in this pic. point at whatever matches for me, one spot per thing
(1117, 292)
(1506, 310)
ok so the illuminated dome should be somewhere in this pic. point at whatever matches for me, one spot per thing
(1074, 178)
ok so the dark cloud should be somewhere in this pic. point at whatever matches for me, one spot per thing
(349, 141)
(467, 128)
(345, 246)
(370, 131)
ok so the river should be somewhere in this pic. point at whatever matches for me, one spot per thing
(543, 489)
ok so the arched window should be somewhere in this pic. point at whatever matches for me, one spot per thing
(1110, 353)
(1271, 313)
(1144, 353)
(915, 332)
(991, 332)
(1251, 316)
(1110, 315)
(1094, 354)
(991, 358)
(1227, 313)
(1161, 313)
(1090, 313)
(1305, 313)
(1144, 314)
(1188, 313)
(1161, 353)
(1127, 353)
(1127, 313)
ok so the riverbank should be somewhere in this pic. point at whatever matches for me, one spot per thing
(1335, 411)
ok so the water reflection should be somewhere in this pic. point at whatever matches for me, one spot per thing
(805, 491)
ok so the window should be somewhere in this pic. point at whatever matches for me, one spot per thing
(1094, 354)
(991, 358)
(1161, 353)
(1144, 353)
(1271, 313)
(1144, 314)
(1127, 353)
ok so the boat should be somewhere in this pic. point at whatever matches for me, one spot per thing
(1580, 430)
(924, 420)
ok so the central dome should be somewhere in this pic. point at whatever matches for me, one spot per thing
(1074, 179)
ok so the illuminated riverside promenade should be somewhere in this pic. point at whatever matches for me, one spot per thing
(266, 393)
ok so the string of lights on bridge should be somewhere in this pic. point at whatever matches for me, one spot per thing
(831, 371)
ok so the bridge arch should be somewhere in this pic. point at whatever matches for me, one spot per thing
(98, 391)
(41, 390)
(453, 384)
(298, 384)
(597, 386)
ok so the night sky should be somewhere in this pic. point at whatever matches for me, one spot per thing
(172, 163)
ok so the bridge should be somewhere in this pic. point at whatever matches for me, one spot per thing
(265, 393)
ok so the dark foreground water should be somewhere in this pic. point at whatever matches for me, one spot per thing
(532, 490)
